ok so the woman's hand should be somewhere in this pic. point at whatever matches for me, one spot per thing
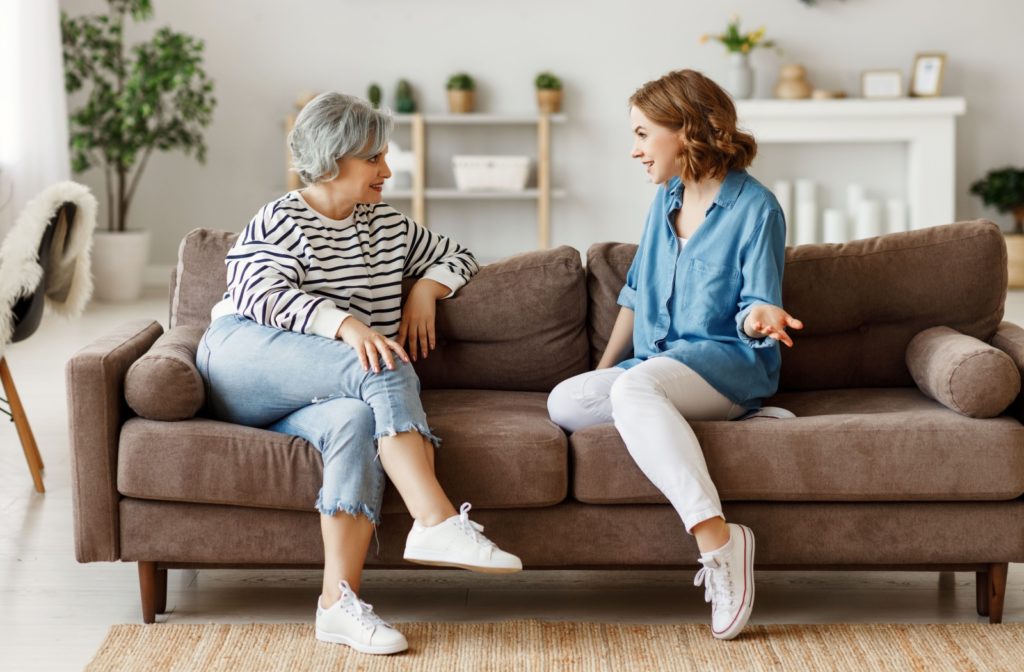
(418, 316)
(767, 320)
(370, 345)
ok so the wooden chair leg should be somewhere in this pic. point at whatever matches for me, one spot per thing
(996, 588)
(153, 590)
(981, 592)
(28, 442)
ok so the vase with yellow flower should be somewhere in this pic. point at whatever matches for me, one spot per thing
(740, 82)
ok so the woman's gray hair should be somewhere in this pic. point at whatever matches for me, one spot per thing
(334, 126)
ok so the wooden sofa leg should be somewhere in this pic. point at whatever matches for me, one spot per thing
(996, 586)
(153, 589)
(981, 592)
(161, 591)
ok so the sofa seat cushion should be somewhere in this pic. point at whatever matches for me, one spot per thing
(499, 451)
(882, 444)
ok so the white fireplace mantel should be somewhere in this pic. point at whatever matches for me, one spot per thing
(926, 125)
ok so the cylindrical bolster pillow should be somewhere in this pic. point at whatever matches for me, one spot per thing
(963, 373)
(164, 384)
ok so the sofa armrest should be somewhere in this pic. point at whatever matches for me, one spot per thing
(1009, 338)
(96, 411)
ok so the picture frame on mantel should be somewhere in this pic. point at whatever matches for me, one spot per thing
(881, 84)
(927, 74)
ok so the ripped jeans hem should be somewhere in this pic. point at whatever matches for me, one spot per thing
(351, 509)
(423, 430)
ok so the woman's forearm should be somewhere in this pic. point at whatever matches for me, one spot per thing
(620, 341)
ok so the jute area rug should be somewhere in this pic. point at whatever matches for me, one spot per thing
(538, 645)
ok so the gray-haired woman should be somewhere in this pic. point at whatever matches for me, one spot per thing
(310, 340)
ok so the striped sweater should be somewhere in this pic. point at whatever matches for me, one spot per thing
(294, 269)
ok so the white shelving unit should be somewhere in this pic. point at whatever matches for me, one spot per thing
(420, 194)
(926, 125)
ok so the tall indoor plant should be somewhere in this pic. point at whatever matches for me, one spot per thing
(153, 96)
(1003, 189)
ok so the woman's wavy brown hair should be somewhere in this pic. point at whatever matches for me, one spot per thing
(687, 100)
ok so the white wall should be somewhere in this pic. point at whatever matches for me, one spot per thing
(262, 53)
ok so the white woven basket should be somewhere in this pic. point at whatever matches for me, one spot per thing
(491, 173)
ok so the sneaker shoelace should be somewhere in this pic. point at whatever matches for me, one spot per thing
(474, 530)
(718, 588)
(363, 611)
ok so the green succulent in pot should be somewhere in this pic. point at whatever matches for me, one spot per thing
(461, 81)
(373, 94)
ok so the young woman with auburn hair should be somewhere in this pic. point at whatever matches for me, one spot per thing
(701, 312)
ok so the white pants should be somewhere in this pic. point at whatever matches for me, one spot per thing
(649, 405)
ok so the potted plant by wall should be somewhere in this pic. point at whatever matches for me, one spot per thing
(405, 103)
(461, 88)
(1003, 189)
(155, 96)
(549, 93)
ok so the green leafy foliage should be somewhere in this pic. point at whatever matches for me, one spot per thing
(461, 81)
(546, 80)
(373, 95)
(1003, 189)
(155, 96)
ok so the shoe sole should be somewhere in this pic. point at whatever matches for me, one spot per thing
(362, 648)
(481, 569)
(748, 578)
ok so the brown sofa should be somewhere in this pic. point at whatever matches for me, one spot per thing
(873, 474)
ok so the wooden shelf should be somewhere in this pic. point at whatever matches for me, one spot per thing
(419, 194)
(472, 118)
(457, 195)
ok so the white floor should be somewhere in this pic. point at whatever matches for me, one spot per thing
(54, 612)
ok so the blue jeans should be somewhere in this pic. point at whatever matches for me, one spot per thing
(314, 388)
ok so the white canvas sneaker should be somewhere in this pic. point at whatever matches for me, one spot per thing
(458, 542)
(728, 578)
(351, 621)
(773, 412)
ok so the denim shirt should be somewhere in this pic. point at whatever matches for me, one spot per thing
(690, 300)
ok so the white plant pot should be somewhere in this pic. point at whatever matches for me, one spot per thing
(741, 76)
(118, 263)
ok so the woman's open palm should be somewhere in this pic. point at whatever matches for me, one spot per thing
(771, 321)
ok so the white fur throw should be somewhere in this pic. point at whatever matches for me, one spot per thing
(69, 279)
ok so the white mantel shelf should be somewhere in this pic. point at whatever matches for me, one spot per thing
(926, 125)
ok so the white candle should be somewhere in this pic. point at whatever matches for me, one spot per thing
(834, 225)
(854, 195)
(896, 215)
(783, 191)
(806, 223)
(806, 191)
(869, 220)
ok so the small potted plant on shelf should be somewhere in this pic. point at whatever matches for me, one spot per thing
(404, 102)
(373, 95)
(549, 93)
(461, 88)
(1003, 189)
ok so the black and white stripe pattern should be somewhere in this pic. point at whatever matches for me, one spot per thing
(288, 264)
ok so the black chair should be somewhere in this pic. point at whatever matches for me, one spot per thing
(27, 313)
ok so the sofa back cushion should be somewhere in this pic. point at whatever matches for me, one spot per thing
(519, 324)
(861, 302)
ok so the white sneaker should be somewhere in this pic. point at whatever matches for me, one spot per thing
(773, 412)
(728, 577)
(352, 622)
(458, 542)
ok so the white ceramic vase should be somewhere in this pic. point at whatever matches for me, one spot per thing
(118, 263)
(741, 76)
